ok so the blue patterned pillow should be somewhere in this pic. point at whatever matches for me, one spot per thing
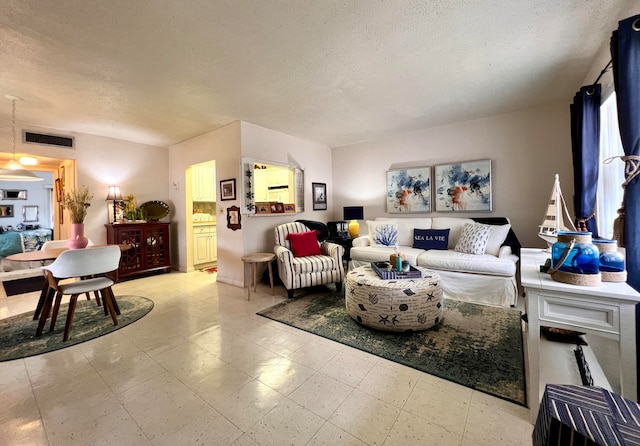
(431, 238)
(383, 233)
(474, 238)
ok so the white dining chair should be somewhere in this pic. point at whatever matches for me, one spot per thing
(57, 244)
(90, 265)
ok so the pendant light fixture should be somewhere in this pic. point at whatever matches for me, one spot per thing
(13, 170)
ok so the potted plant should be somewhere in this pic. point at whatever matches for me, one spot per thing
(77, 203)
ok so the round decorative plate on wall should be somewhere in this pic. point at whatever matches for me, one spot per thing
(155, 210)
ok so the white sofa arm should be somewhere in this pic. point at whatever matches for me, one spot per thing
(361, 241)
(505, 251)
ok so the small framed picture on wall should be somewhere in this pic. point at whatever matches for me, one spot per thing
(319, 196)
(228, 189)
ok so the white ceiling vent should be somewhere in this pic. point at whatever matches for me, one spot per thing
(51, 140)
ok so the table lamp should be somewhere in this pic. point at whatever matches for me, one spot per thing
(353, 213)
(115, 195)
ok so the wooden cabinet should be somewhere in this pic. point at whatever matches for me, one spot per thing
(204, 244)
(150, 247)
(204, 183)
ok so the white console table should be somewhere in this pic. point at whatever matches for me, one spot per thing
(607, 310)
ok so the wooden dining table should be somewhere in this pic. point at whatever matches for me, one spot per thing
(45, 255)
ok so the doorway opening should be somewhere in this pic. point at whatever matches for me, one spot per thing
(41, 198)
(201, 204)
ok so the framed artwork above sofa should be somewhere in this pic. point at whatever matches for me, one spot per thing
(409, 190)
(463, 187)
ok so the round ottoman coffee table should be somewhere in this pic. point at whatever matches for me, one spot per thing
(394, 305)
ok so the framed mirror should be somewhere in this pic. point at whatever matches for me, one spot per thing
(30, 213)
(12, 194)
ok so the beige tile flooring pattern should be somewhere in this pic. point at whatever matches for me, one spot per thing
(203, 369)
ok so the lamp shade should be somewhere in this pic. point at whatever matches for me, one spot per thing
(114, 193)
(18, 175)
(353, 212)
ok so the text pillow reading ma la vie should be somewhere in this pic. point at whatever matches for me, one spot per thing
(431, 238)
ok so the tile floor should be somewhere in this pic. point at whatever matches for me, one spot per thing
(203, 369)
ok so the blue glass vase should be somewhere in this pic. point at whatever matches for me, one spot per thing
(612, 263)
(582, 258)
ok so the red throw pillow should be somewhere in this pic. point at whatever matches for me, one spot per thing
(304, 243)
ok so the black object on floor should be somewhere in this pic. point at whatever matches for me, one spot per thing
(21, 286)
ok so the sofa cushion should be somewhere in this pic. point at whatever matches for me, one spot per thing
(382, 253)
(455, 224)
(304, 243)
(468, 263)
(474, 238)
(496, 238)
(431, 238)
(383, 233)
(406, 227)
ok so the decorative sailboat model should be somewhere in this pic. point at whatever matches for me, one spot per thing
(554, 219)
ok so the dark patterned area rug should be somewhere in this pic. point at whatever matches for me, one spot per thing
(17, 333)
(478, 346)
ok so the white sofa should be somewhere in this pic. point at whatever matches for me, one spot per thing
(488, 278)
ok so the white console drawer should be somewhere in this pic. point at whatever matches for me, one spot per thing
(204, 229)
(580, 312)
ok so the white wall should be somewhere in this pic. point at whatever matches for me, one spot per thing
(223, 146)
(526, 148)
(314, 158)
(227, 146)
(138, 169)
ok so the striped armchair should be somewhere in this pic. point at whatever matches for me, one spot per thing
(302, 272)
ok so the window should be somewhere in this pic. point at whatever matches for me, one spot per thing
(611, 177)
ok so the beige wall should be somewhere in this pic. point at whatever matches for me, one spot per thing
(138, 169)
(526, 148)
(227, 146)
(223, 146)
(314, 158)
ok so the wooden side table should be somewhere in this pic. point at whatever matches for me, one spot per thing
(252, 260)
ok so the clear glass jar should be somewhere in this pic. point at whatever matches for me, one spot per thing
(583, 258)
(611, 260)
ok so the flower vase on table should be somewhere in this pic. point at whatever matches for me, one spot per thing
(77, 202)
(77, 239)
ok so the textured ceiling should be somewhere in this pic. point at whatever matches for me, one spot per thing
(336, 72)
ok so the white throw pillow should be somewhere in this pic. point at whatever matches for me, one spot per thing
(474, 238)
(383, 233)
(496, 239)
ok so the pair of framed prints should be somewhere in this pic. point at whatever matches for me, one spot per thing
(455, 187)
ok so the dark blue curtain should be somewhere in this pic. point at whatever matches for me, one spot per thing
(585, 145)
(625, 55)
